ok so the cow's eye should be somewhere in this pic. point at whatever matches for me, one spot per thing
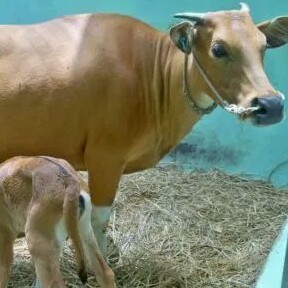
(219, 51)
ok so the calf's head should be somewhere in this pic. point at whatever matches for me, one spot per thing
(230, 48)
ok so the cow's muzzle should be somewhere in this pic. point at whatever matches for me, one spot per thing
(270, 110)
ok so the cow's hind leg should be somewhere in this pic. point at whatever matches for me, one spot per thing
(7, 239)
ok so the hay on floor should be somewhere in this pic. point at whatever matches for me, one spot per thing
(175, 229)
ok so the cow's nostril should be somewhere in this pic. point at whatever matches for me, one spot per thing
(255, 102)
(261, 111)
(261, 108)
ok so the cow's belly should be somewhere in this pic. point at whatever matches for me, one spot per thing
(75, 159)
(42, 124)
(26, 141)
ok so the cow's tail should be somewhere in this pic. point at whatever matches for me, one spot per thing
(71, 218)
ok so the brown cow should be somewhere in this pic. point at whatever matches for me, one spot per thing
(45, 198)
(105, 92)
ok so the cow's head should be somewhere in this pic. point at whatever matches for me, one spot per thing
(231, 48)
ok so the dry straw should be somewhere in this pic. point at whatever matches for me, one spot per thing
(175, 229)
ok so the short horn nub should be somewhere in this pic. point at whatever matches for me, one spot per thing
(194, 17)
(244, 7)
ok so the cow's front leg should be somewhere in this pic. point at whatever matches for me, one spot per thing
(100, 217)
(104, 174)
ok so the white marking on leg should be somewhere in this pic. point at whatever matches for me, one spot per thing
(99, 220)
(37, 283)
(61, 235)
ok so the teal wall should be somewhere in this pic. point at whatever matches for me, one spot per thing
(219, 140)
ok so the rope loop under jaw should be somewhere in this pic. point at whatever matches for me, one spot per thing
(187, 92)
(231, 108)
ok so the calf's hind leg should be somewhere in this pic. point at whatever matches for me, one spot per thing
(7, 239)
(44, 249)
(103, 272)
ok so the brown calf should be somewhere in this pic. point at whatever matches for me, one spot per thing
(45, 198)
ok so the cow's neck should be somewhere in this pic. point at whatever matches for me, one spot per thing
(177, 116)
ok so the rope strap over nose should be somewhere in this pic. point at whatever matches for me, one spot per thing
(231, 108)
(239, 110)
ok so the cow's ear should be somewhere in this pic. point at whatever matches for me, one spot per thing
(182, 36)
(276, 31)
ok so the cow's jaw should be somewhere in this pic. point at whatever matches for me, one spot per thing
(204, 101)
